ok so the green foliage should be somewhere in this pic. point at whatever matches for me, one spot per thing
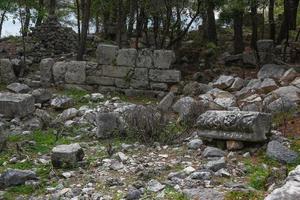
(239, 195)
(281, 117)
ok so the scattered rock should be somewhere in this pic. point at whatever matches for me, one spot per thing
(66, 155)
(290, 190)
(278, 151)
(224, 82)
(213, 152)
(154, 186)
(13, 105)
(271, 71)
(18, 88)
(195, 144)
(216, 165)
(61, 102)
(13, 177)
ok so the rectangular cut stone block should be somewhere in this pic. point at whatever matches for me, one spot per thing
(106, 54)
(116, 71)
(140, 74)
(165, 76)
(145, 58)
(127, 57)
(59, 71)
(234, 125)
(75, 72)
(100, 80)
(163, 59)
(46, 71)
(122, 83)
(139, 84)
(159, 86)
(13, 105)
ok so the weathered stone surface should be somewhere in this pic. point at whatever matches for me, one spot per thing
(271, 71)
(195, 88)
(265, 45)
(213, 152)
(278, 151)
(145, 58)
(66, 155)
(216, 165)
(224, 82)
(108, 124)
(18, 88)
(116, 71)
(281, 104)
(59, 70)
(203, 193)
(100, 80)
(195, 144)
(186, 107)
(288, 76)
(122, 83)
(159, 86)
(290, 190)
(126, 57)
(267, 86)
(61, 102)
(226, 102)
(46, 71)
(7, 74)
(291, 92)
(75, 72)
(237, 84)
(139, 84)
(251, 103)
(249, 58)
(166, 103)
(165, 76)
(13, 177)
(12, 105)
(163, 59)
(106, 54)
(234, 125)
(3, 136)
(155, 186)
(41, 95)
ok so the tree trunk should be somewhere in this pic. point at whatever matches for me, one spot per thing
(272, 20)
(238, 32)
(27, 20)
(2, 21)
(52, 7)
(132, 9)
(97, 23)
(211, 23)
(40, 16)
(254, 24)
(284, 28)
(86, 9)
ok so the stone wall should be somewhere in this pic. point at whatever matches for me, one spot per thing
(128, 70)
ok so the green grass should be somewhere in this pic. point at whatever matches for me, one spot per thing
(239, 195)
(77, 96)
(172, 194)
(256, 174)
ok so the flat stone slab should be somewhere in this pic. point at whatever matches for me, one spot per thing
(12, 105)
(234, 125)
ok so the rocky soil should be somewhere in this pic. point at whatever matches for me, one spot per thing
(227, 140)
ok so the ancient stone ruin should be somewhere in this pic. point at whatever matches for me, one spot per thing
(143, 72)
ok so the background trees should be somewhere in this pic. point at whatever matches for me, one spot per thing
(163, 23)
